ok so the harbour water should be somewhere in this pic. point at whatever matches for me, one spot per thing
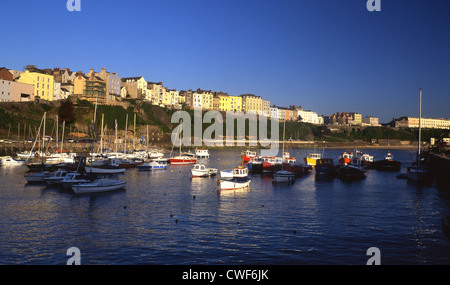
(167, 217)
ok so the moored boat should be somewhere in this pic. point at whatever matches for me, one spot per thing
(247, 155)
(37, 177)
(345, 158)
(202, 153)
(199, 170)
(153, 165)
(283, 176)
(56, 177)
(99, 185)
(387, 164)
(311, 158)
(350, 172)
(183, 160)
(325, 166)
(239, 179)
(9, 161)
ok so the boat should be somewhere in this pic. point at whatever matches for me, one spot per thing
(9, 161)
(56, 177)
(283, 176)
(311, 158)
(350, 172)
(99, 185)
(127, 163)
(202, 153)
(255, 165)
(108, 169)
(153, 165)
(199, 170)
(247, 155)
(325, 166)
(345, 158)
(73, 178)
(183, 158)
(271, 164)
(418, 172)
(387, 164)
(239, 179)
(37, 177)
(366, 160)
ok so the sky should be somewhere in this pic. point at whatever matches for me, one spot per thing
(326, 55)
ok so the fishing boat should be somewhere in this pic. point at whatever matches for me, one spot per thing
(345, 158)
(9, 161)
(199, 170)
(239, 179)
(271, 164)
(283, 176)
(202, 153)
(37, 177)
(350, 172)
(325, 166)
(99, 185)
(311, 158)
(366, 160)
(387, 164)
(153, 165)
(247, 155)
(56, 177)
(255, 165)
(418, 172)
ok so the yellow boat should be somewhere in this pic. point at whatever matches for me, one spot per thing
(311, 158)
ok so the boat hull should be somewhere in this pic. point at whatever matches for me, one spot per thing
(95, 188)
(182, 161)
(234, 184)
(283, 177)
(99, 170)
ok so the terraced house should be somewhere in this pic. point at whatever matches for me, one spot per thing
(43, 83)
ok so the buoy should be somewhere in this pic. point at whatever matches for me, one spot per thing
(124, 207)
(294, 231)
(176, 221)
(193, 197)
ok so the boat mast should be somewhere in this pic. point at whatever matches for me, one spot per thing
(420, 127)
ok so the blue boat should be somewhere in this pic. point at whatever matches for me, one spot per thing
(154, 165)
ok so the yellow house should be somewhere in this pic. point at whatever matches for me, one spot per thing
(43, 83)
(230, 103)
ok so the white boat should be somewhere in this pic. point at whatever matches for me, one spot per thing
(56, 177)
(37, 177)
(238, 180)
(73, 178)
(8, 160)
(104, 170)
(183, 159)
(199, 170)
(99, 185)
(283, 176)
(202, 153)
(153, 165)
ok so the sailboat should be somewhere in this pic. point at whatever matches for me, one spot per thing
(182, 159)
(417, 172)
(283, 176)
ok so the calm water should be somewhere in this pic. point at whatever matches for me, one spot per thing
(167, 217)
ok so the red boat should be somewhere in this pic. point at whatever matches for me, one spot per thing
(183, 160)
(271, 164)
(296, 168)
(345, 158)
(247, 155)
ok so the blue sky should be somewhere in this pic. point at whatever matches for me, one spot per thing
(326, 55)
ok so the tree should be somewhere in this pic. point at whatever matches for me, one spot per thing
(65, 112)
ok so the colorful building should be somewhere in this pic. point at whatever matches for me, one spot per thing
(43, 83)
